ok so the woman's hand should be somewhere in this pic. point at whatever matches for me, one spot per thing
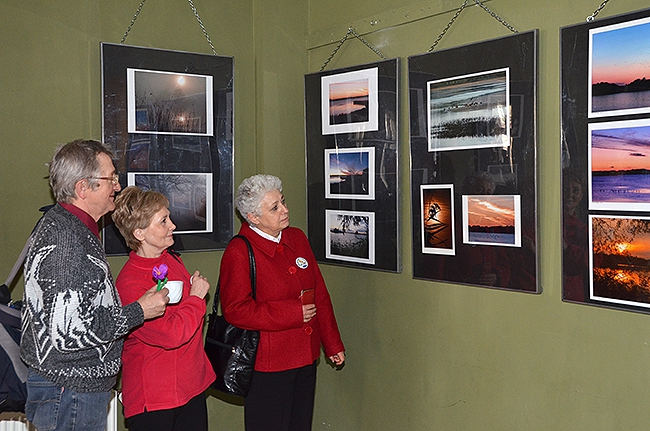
(308, 312)
(200, 286)
(338, 359)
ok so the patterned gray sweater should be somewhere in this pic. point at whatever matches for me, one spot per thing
(72, 318)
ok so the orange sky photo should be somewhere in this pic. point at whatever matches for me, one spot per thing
(491, 211)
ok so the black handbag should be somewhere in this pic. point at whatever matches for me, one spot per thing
(232, 350)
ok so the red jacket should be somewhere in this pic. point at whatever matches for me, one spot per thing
(283, 271)
(164, 364)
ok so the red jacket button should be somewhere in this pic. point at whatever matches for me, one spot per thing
(292, 270)
(280, 248)
(309, 330)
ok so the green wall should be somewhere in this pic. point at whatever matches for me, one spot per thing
(421, 355)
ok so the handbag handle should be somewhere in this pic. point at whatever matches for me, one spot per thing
(253, 272)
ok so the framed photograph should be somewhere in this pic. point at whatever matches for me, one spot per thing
(349, 102)
(350, 236)
(164, 102)
(619, 54)
(619, 261)
(492, 220)
(167, 118)
(437, 218)
(619, 174)
(350, 173)
(469, 111)
(355, 169)
(190, 197)
(479, 150)
(605, 144)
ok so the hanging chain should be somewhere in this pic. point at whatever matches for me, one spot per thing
(448, 26)
(137, 12)
(460, 9)
(497, 17)
(351, 31)
(597, 11)
(196, 14)
(205, 33)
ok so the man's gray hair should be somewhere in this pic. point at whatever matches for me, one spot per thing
(251, 191)
(73, 162)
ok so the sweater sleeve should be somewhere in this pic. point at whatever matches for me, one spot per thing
(71, 279)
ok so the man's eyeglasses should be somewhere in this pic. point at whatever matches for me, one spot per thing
(115, 179)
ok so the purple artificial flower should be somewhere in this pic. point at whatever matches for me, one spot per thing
(159, 274)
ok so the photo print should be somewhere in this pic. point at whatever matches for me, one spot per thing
(349, 102)
(350, 173)
(350, 236)
(469, 111)
(620, 260)
(492, 220)
(618, 65)
(166, 102)
(437, 211)
(619, 160)
(190, 197)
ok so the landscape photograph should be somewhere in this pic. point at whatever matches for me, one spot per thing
(619, 159)
(190, 197)
(350, 236)
(469, 111)
(165, 102)
(437, 212)
(349, 102)
(619, 63)
(350, 173)
(492, 220)
(620, 260)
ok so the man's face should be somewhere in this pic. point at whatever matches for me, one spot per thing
(101, 197)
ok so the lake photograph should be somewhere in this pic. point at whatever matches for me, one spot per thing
(492, 220)
(470, 111)
(619, 160)
(619, 62)
(350, 236)
(350, 173)
(620, 260)
(350, 102)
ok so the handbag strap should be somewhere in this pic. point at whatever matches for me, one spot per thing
(253, 272)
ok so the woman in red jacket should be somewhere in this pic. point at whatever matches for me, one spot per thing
(292, 328)
(165, 370)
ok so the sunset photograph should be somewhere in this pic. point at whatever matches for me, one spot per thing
(350, 173)
(619, 65)
(492, 220)
(349, 102)
(619, 160)
(620, 260)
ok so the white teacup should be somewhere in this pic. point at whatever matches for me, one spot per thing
(175, 290)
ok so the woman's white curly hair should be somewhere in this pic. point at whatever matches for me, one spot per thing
(251, 191)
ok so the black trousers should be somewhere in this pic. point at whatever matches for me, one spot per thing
(281, 401)
(192, 416)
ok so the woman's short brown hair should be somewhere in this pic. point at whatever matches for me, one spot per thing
(134, 209)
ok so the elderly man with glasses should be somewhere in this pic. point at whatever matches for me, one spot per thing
(72, 318)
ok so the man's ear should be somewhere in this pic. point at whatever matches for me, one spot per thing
(81, 189)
